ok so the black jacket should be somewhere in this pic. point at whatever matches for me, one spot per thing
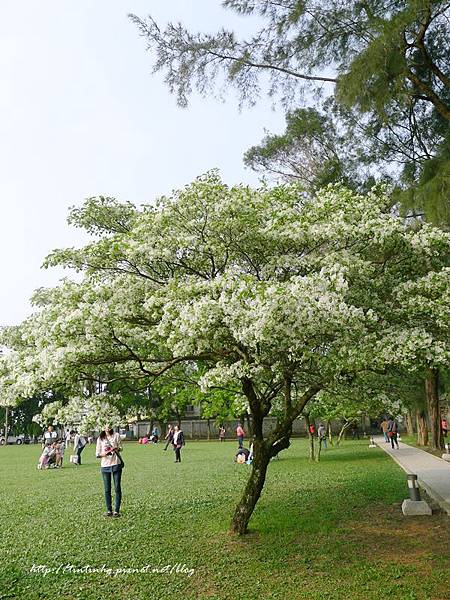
(180, 440)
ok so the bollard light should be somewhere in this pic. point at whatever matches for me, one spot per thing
(413, 487)
(447, 447)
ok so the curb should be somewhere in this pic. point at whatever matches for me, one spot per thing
(443, 503)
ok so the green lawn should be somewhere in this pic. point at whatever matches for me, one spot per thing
(332, 530)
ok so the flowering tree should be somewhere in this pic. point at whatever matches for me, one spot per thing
(86, 414)
(427, 301)
(280, 295)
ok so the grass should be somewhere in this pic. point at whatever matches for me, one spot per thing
(332, 530)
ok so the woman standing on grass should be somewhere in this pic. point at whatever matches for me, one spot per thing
(177, 442)
(108, 449)
(169, 436)
(240, 434)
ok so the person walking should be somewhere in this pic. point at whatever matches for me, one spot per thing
(392, 432)
(67, 438)
(240, 434)
(177, 443)
(222, 432)
(79, 443)
(169, 437)
(384, 428)
(109, 446)
(322, 435)
(444, 426)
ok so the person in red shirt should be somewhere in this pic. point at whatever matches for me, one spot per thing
(312, 429)
(240, 433)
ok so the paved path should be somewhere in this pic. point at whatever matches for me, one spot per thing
(433, 473)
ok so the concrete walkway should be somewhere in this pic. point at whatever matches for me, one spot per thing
(433, 473)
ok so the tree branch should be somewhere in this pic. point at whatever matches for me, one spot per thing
(433, 97)
(268, 66)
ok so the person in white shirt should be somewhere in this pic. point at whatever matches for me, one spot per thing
(177, 443)
(322, 435)
(109, 446)
(67, 438)
(50, 436)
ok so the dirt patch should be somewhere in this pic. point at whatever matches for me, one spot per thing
(203, 586)
(383, 534)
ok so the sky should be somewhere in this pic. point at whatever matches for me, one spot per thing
(81, 115)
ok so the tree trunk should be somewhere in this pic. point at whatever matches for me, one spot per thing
(262, 453)
(330, 433)
(253, 489)
(409, 423)
(344, 428)
(422, 428)
(90, 387)
(249, 426)
(311, 447)
(209, 428)
(264, 450)
(6, 424)
(319, 450)
(434, 413)
(311, 438)
(150, 401)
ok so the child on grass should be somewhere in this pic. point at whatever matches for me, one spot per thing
(60, 448)
(44, 459)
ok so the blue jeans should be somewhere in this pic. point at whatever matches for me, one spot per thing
(241, 441)
(116, 472)
(386, 437)
(324, 442)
